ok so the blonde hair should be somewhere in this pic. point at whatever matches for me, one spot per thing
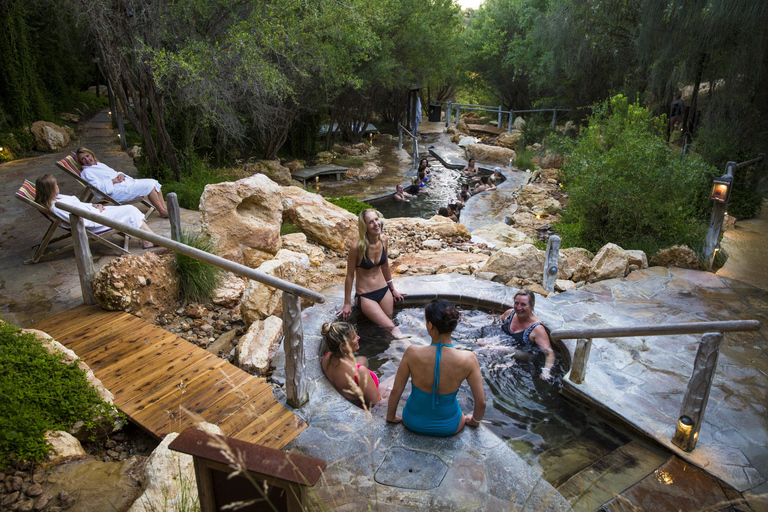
(362, 234)
(45, 190)
(83, 149)
(335, 335)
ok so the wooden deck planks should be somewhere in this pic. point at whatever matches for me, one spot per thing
(155, 376)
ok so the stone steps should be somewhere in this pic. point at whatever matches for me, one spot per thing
(609, 476)
(561, 462)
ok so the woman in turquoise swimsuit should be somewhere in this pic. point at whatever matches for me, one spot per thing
(436, 372)
(367, 262)
(348, 374)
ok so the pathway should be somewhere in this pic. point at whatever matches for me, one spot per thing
(747, 252)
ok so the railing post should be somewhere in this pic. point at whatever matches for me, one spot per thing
(458, 113)
(580, 358)
(716, 224)
(399, 137)
(498, 122)
(174, 215)
(697, 394)
(415, 153)
(554, 118)
(448, 114)
(83, 258)
(550, 263)
(293, 343)
(511, 120)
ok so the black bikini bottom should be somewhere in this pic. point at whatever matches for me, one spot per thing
(375, 296)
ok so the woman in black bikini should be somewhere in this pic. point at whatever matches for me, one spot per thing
(375, 294)
(527, 329)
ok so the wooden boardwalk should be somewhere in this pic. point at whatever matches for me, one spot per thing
(154, 375)
(306, 174)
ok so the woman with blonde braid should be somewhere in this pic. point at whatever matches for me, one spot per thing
(348, 374)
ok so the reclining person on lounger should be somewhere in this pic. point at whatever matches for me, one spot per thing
(375, 294)
(47, 193)
(120, 187)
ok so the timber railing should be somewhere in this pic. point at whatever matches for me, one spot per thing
(296, 385)
(697, 392)
(498, 109)
(400, 130)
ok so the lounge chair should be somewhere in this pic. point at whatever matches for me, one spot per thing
(69, 165)
(26, 194)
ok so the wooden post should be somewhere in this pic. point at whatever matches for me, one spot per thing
(83, 258)
(697, 393)
(580, 358)
(550, 263)
(716, 224)
(458, 113)
(174, 215)
(293, 343)
(448, 114)
(400, 138)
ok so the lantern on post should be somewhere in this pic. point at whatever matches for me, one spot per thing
(721, 189)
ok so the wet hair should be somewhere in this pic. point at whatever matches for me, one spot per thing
(464, 196)
(484, 180)
(45, 190)
(443, 211)
(362, 233)
(422, 175)
(465, 186)
(530, 295)
(423, 164)
(335, 335)
(82, 149)
(470, 161)
(443, 315)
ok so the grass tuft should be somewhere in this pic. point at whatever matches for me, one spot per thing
(197, 279)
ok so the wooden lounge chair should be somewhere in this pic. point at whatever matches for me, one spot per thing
(26, 194)
(69, 165)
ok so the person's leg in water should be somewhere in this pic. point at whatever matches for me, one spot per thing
(380, 313)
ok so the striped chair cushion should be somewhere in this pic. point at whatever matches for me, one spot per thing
(27, 190)
(70, 164)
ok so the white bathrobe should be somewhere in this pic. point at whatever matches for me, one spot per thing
(101, 176)
(126, 213)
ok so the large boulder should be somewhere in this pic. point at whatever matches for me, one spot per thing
(259, 300)
(271, 169)
(523, 262)
(442, 227)
(49, 137)
(243, 218)
(64, 447)
(169, 477)
(502, 235)
(519, 123)
(467, 141)
(324, 157)
(297, 242)
(486, 153)
(552, 161)
(677, 256)
(295, 165)
(322, 221)
(367, 171)
(577, 264)
(610, 261)
(510, 140)
(258, 345)
(144, 285)
(229, 291)
(438, 262)
(462, 127)
(637, 258)
(538, 198)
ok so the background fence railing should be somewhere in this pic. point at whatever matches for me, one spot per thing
(498, 109)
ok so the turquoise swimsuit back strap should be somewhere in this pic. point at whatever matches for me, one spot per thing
(436, 381)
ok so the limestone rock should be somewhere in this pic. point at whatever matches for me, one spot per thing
(456, 137)
(510, 140)
(229, 292)
(320, 220)
(70, 118)
(297, 242)
(258, 345)
(564, 285)
(324, 157)
(486, 153)
(525, 261)
(64, 447)
(169, 478)
(471, 117)
(462, 127)
(259, 300)
(144, 285)
(450, 130)
(243, 218)
(638, 258)
(439, 262)
(609, 262)
(49, 137)
(537, 197)
(576, 258)
(368, 171)
(527, 284)
(677, 256)
(437, 225)
(552, 161)
(519, 123)
(502, 235)
(295, 165)
(432, 245)
(466, 141)
(271, 169)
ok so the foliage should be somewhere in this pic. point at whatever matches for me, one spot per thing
(40, 393)
(287, 228)
(524, 159)
(197, 279)
(350, 161)
(535, 129)
(349, 203)
(626, 186)
(196, 176)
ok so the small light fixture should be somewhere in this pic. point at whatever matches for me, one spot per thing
(685, 437)
(110, 112)
(552, 270)
(317, 179)
(721, 189)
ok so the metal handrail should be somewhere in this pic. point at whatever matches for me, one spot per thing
(400, 130)
(181, 248)
(656, 330)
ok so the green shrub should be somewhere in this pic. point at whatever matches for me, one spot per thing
(524, 159)
(349, 203)
(197, 279)
(535, 129)
(40, 393)
(351, 161)
(287, 228)
(195, 176)
(626, 186)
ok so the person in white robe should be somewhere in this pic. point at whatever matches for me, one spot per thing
(47, 193)
(117, 185)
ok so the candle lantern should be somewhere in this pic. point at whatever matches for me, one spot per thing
(721, 189)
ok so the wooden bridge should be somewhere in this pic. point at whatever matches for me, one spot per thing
(156, 377)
